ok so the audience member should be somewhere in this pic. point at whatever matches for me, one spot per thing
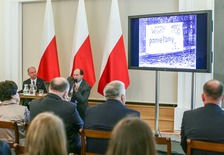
(4, 148)
(132, 136)
(46, 136)
(56, 101)
(80, 91)
(205, 123)
(34, 80)
(10, 110)
(105, 116)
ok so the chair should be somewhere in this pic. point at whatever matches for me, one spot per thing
(12, 126)
(202, 145)
(86, 133)
(19, 149)
(166, 141)
(26, 126)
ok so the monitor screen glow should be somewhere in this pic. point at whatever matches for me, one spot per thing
(172, 41)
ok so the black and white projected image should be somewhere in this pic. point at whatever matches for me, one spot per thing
(168, 42)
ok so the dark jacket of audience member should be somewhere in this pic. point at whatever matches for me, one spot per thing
(56, 101)
(205, 123)
(105, 116)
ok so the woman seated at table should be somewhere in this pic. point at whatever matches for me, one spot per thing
(10, 110)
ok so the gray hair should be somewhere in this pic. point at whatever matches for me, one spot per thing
(114, 89)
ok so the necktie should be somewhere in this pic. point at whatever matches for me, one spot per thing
(34, 83)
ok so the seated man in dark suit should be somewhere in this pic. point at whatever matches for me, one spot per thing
(105, 116)
(80, 91)
(33, 80)
(205, 123)
(56, 101)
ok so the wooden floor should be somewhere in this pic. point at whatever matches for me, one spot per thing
(166, 115)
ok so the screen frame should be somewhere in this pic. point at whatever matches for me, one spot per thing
(209, 52)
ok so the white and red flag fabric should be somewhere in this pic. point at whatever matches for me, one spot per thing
(82, 53)
(48, 66)
(114, 63)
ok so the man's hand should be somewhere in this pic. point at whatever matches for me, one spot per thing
(76, 87)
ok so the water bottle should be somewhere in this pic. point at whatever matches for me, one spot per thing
(25, 89)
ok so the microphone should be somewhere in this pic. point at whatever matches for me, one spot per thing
(75, 80)
(75, 89)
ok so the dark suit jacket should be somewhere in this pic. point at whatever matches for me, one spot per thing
(104, 117)
(81, 96)
(66, 111)
(206, 124)
(39, 83)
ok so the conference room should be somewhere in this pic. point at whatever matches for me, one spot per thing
(21, 46)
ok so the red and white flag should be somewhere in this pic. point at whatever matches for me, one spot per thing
(114, 63)
(82, 53)
(48, 66)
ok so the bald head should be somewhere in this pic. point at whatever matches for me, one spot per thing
(32, 72)
(59, 84)
(213, 91)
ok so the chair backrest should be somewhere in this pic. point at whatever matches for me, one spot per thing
(12, 126)
(202, 145)
(26, 126)
(164, 141)
(19, 149)
(86, 133)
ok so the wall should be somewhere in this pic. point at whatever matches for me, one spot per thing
(2, 27)
(10, 61)
(218, 40)
(175, 88)
(190, 84)
(142, 87)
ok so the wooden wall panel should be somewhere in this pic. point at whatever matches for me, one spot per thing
(166, 114)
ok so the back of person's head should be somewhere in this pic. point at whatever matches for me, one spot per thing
(114, 89)
(7, 90)
(46, 136)
(4, 148)
(132, 136)
(213, 89)
(59, 84)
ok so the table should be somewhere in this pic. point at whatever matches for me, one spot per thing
(22, 96)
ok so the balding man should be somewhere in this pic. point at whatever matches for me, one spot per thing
(80, 90)
(205, 123)
(33, 80)
(56, 101)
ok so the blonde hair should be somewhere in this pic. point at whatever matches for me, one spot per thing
(132, 136)
(46, 136)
